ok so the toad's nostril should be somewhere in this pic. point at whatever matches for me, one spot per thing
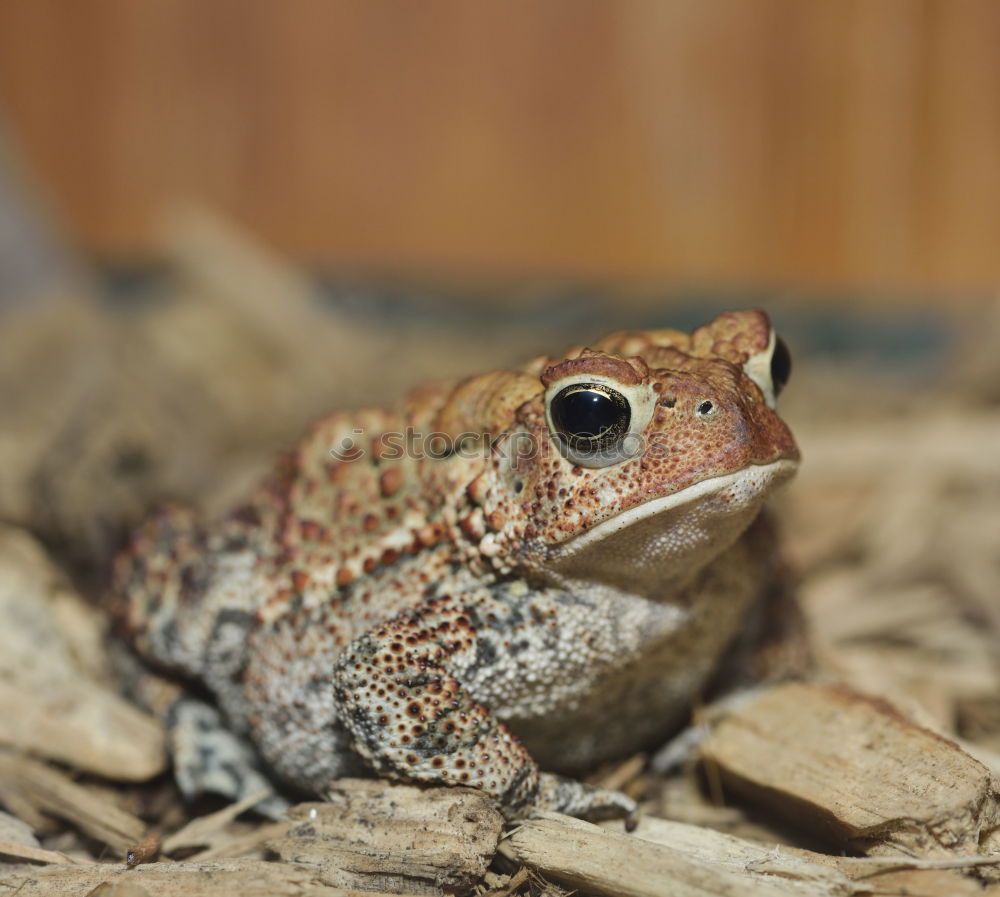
(705, 408)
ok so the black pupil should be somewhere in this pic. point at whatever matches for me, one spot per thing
(590, 416)
(781, 365)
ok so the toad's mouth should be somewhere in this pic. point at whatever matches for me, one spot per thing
(660, 544)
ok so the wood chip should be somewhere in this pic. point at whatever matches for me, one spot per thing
(16, 831)
(854, 770)
(505, 885)
(701, 863)
(120, 888)
(624, 773)
(35, 854)
(53, 704)
(204, 830)
(25, 811)
(250, 841)
(217, 878)
(378, 836)
(920, 876)
(146, 851)
(57, 794)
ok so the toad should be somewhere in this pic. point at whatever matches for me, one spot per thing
(500, 583)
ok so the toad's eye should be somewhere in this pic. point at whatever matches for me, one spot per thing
(781, 365)
(591, 417)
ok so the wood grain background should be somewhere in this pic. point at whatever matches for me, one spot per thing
(831, 143)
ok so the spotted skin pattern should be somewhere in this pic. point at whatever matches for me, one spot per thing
(455, 609)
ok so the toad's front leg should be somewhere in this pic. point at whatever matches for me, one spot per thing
(413, 720)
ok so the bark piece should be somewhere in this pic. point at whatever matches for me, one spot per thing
(376, 836)
(119, 888)
(55, 702)
(16, 831)
(852, 769)
(249, 841)
(218, 878)
(146, 851)
(684, 861)
(55, 793)
(14, 850)
(205, 830)
(883, 875)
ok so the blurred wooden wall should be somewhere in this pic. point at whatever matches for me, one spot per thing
(832, 142)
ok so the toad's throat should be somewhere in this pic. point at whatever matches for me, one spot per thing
(654, 548)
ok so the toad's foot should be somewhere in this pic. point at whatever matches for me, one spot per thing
(579, 799)
(208, 758)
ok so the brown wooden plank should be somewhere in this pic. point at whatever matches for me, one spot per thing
(836, 143)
